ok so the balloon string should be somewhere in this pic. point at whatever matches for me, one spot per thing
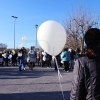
(59, 76)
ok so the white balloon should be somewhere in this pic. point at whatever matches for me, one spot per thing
(13, 51)
(24, 38)
(69, 50)
(10, 56)
(51, 36)
(19, 54)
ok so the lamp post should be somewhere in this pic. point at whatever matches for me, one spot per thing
(14, 29)
(36, 26)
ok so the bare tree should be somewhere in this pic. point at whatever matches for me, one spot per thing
(3, 47)
(77, 25)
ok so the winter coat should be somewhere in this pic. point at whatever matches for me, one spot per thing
(86, 79)
(32, 56)
(65, 56)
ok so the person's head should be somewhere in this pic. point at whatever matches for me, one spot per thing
(65, 49)
(92, 40)
(22, 48)
(31, 48)
(40, 52)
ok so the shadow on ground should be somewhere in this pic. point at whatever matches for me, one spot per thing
(13, 73)
(36, 96)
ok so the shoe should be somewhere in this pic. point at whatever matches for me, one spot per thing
(24, 69)
(67, 71)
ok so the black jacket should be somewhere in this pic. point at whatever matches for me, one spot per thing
(86, 79)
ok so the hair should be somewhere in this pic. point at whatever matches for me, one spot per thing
(65, 49)
(92, 40)
(31, 47)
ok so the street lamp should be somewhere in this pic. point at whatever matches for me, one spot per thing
(36, 26)
(14, 29)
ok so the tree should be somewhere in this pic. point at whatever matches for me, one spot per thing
(77, 25)
(3, 47)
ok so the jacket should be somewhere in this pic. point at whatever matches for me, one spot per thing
(32, 56)
(65, 56)
(86, 79)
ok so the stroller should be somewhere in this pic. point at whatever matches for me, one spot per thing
(1, 59)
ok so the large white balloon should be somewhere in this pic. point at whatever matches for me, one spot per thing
(51, 36)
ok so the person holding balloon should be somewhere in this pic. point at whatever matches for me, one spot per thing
(22, 58)
(14, 58)
(44, 58)
(32, 58)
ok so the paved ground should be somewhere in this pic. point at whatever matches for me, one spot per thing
(41, 84)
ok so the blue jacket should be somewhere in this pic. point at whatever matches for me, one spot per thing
(65, 56)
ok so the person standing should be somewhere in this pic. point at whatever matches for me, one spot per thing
(6, 58)
(57, 59)
(14, 59)
(86, 75)
(44, 58)
(32, 58)
(22, 59)
(49, 59)
(65, 57)
(41, 59)
(38, 57)
(72, 55)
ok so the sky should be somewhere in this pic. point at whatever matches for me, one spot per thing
(32, 12)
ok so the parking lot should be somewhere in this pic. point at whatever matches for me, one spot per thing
(39, 84)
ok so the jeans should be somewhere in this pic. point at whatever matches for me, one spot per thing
(22, 64)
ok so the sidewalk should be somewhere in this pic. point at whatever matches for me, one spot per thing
(40, 84)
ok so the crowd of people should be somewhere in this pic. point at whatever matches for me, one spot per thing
(31, 58)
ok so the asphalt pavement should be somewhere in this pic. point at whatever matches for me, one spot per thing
(39, 84)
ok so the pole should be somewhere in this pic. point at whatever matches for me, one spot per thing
(36, 34)
(14, 33)
(14, 29)
(36, 37)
